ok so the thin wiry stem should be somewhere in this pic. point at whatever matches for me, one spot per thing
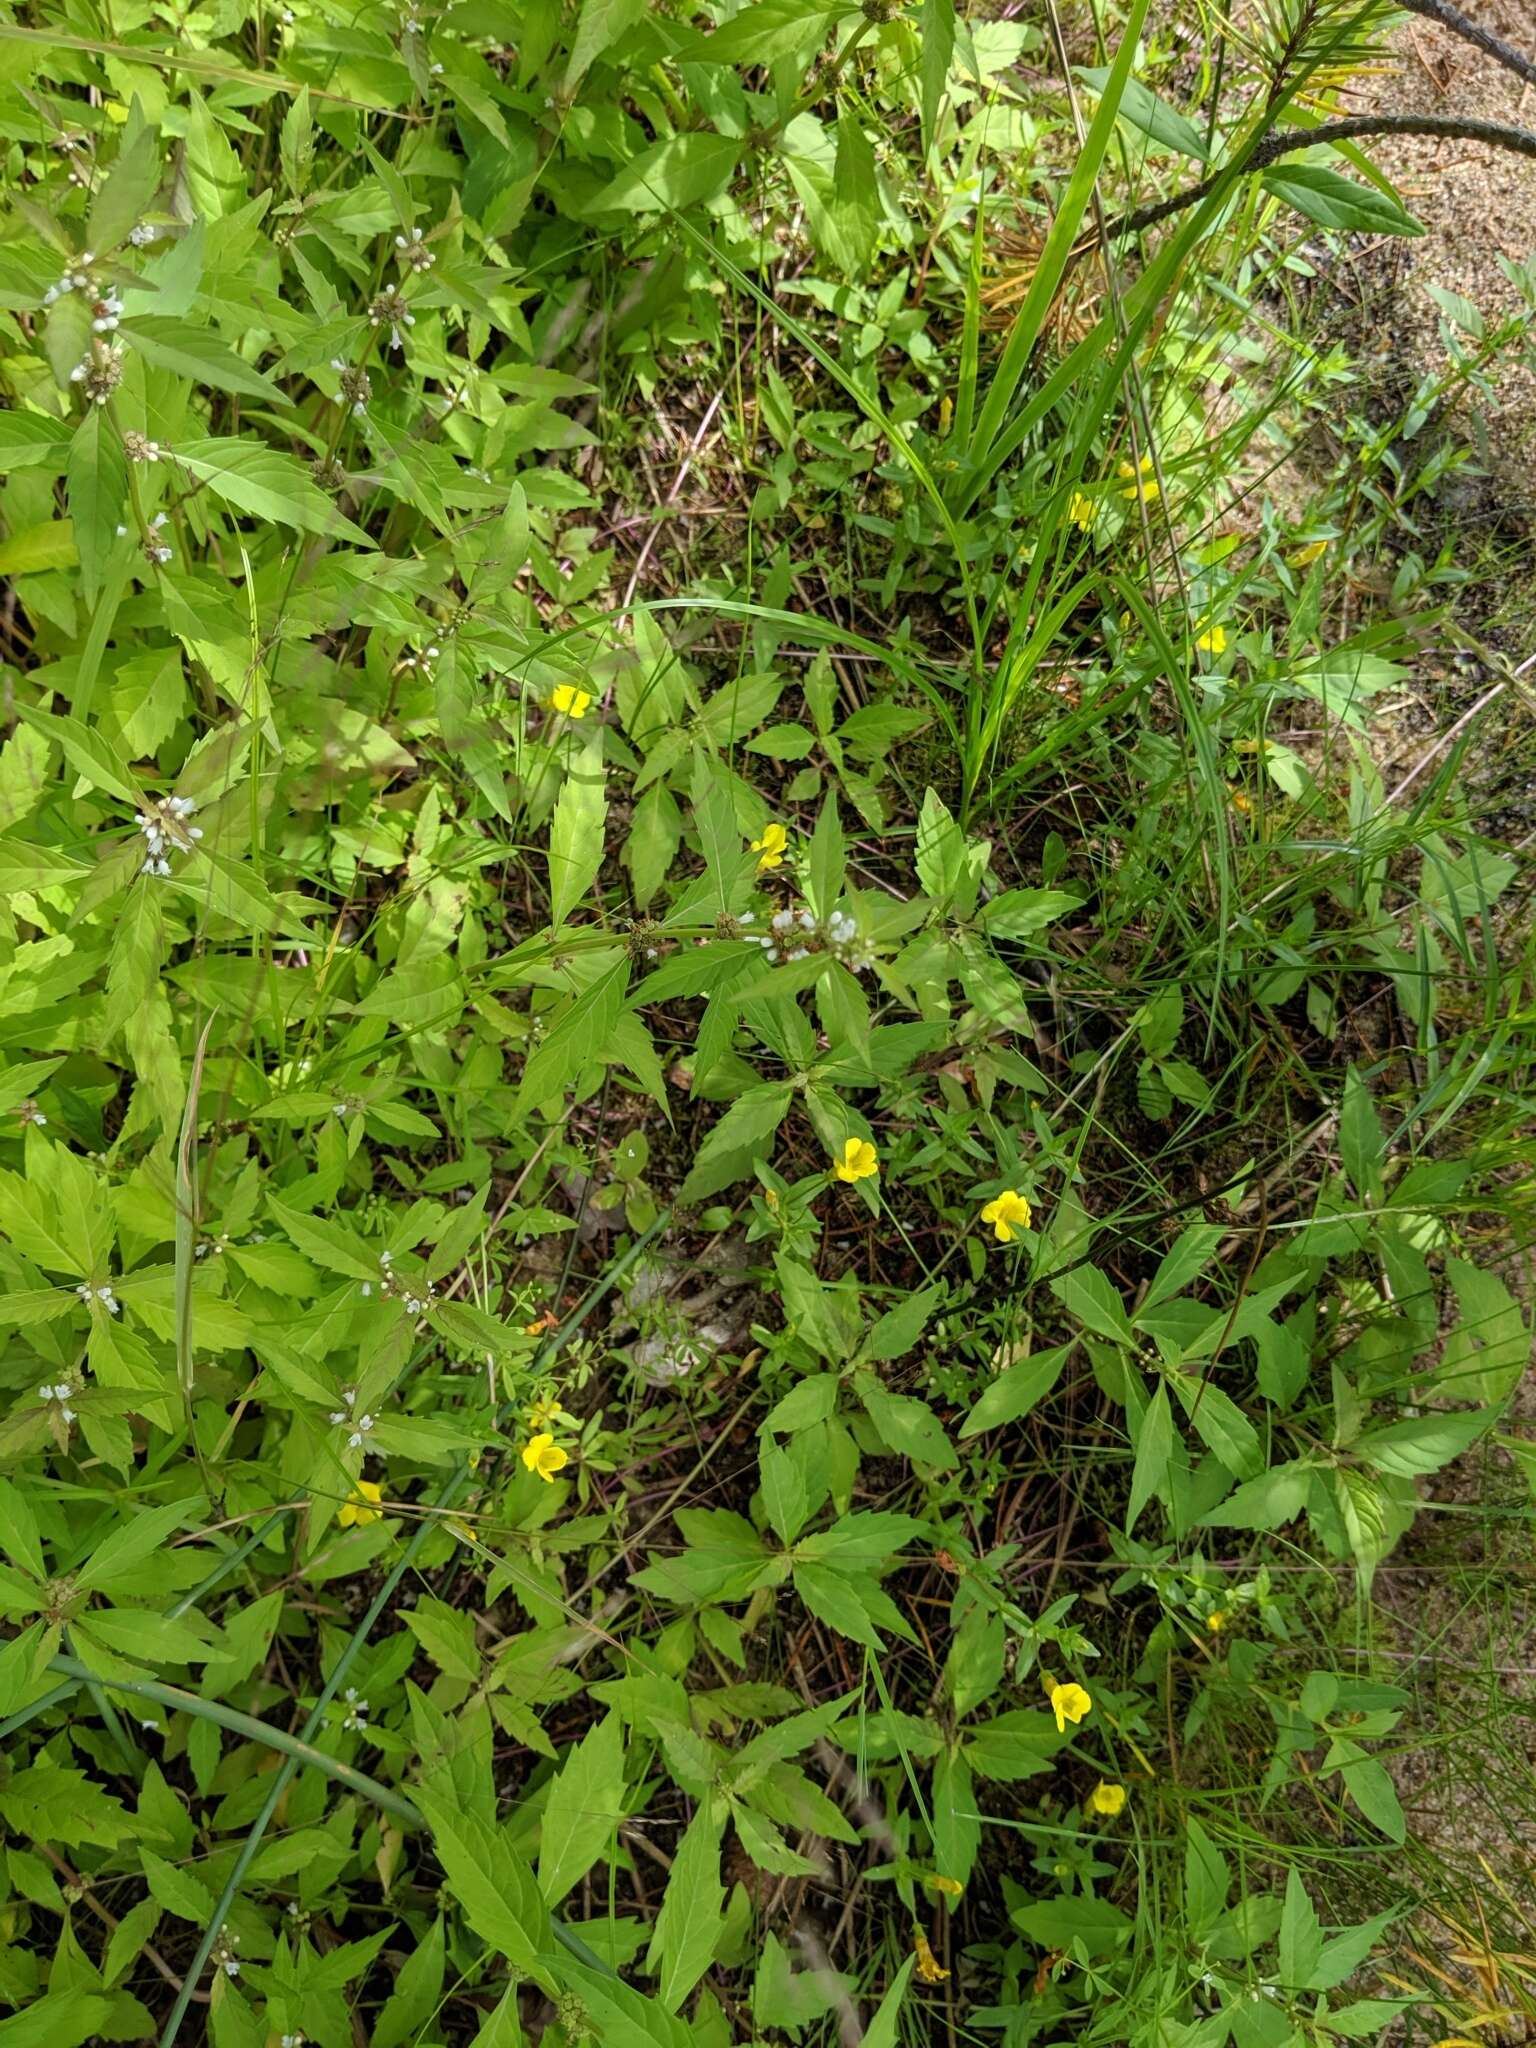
(1287, 142)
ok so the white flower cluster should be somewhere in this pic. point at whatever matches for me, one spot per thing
(104, 1295)
(77, 280)
(359, 1427)
(793, 934)
(107, 312)
(159, 550)
(357, 1710)
(412, 248)
(224, 1957)
(100, 370)
(165, 825)
(391, 1286)
(63, 1393)
(143, 234)
(409, 663)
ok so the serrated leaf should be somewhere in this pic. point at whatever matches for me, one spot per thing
(583, 1810)
(689, 1925)
(740, 1137)
(266, 484)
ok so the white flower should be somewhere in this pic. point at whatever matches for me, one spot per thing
(142, 235)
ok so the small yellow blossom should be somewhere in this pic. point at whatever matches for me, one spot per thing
(1107, 1799)
(950, 1886)
(1082, 510)
(1069, 1702)
(1008, 1215)
(1310, 553)
(1212, 640)
(858, 1161)
(544, 1413)
(570, 700)
(1140, 480)
(929, 1968)
(543, 1455)
(361, 1506)
(770, 848)
(1216, 1620)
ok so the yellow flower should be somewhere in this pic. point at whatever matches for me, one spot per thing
(1082, 510)
(1212, 640)
(1107, 1799)
(1308, 554)
(544, 1413)
(1140, 480)
(770, 848)
(929, 1968)
(1008, 1215)
(858, 1161)
(543, 1455)
(570, 700)
(1216, 1620)
(1068, 1703)
(361, 1506)
(950, 1886)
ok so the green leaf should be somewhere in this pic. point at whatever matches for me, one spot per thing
(882, 2031)
(689, 1925)
(123, 1551)
(1301, 1937)
(785, 1500)
(87, 753)
(599, 25)
(1141, 108)
(417, 1991)
(1425, 1443)
(737, 1140)
(1362, 1145)
(1335, 201)
(580, 1033)
(678, 172)
(1154, 1447)
(835, 1598)
(491, 1882)
(1013, 1393)
(1486, 1355)
(194, 352)
(257, 480)
(576, 833)
(583, 1810)
(828, 860)
(856, 205)
(936, 39)
(62, 1807)
(50, 545)
(33, 440)
(59, 2019)
(906, 1424)
(1088, 1295)
(96, 482)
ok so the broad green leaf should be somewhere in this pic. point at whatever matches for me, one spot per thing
(266, 484)
(583, 1810)
(491, 1882)
(1013, 1393)
(678, 172)
(1141, 108)
(576, 833)
(1334, 201)
(580, 1033)
(1301, 1936)
(741, 1136)
(194, 352)
(688, 1927)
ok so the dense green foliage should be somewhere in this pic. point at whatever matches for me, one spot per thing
(746, 1169)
